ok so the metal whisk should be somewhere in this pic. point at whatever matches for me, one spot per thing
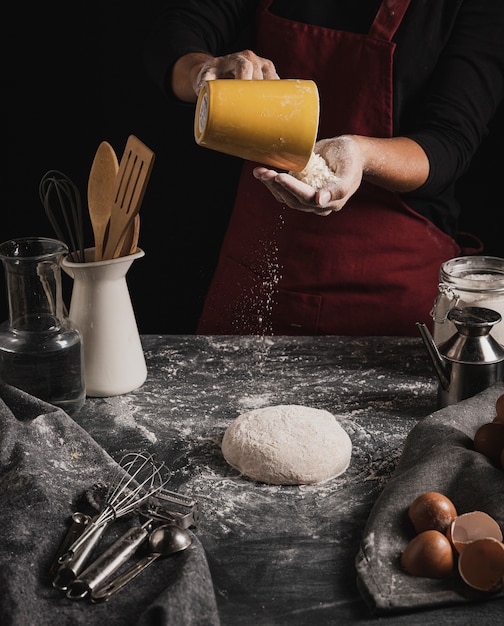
(136, 479)
(61, 200)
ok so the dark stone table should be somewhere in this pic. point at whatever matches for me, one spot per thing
(279, 554)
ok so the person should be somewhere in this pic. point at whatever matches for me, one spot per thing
(407, 90)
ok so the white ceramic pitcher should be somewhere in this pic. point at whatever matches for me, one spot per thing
(101, 308)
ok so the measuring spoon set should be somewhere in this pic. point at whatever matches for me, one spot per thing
(165, 531)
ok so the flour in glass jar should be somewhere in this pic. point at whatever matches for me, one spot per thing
(469, 281)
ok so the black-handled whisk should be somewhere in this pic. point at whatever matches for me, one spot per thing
(62, 203)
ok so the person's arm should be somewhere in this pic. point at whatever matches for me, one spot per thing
(183, 28)
(442, 129)
(185, 75)
(397, 164)
(191, 70)
(449, 114)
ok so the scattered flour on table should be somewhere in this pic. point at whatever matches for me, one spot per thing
(126, 416)
(255, 401)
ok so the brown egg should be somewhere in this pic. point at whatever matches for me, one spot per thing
(489, 441)
(431, 511)
(499, 406)
(429, 554)
(481, 564)
(470, 527)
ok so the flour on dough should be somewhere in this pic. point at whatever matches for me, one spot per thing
(287, 445)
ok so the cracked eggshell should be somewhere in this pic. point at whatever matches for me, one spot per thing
(481, 564)
(469, 527)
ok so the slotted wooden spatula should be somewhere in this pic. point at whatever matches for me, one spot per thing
(131, 181)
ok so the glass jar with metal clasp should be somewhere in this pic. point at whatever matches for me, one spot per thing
(468, 281)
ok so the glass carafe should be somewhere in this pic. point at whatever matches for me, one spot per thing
(40, 348)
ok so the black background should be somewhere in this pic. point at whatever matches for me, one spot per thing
(74, 77)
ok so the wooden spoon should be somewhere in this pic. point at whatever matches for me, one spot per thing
(101, 193)
(131, 181)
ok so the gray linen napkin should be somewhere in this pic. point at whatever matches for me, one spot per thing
(46, 462)
(438, 456)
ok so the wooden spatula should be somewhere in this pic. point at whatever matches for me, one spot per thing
(129, 242)
(131, 181)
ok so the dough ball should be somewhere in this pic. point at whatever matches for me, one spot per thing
(316, 173)
(287, 445)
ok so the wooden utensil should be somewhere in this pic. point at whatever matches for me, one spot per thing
(131, 181)
(100, 192)
(129, 242)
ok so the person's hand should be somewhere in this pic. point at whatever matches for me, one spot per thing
(343, 155)
(245, 65)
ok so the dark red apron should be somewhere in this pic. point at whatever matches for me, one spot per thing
(370, 269)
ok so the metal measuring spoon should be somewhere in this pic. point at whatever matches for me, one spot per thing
(79, 521)
(163, 541)
(108, 562)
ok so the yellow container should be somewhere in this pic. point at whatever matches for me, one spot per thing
(274, 122)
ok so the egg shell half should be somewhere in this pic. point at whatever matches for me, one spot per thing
(472, 526)
(481, 564)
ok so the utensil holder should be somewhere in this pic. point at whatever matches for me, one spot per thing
(100, 306)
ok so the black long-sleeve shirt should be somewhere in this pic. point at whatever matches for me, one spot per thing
(448, 70)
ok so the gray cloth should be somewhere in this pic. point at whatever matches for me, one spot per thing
(438, 456)
(46, 462)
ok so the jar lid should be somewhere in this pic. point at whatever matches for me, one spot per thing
(474, 273)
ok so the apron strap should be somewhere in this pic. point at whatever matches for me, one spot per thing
(388, 18)
(469, 243)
